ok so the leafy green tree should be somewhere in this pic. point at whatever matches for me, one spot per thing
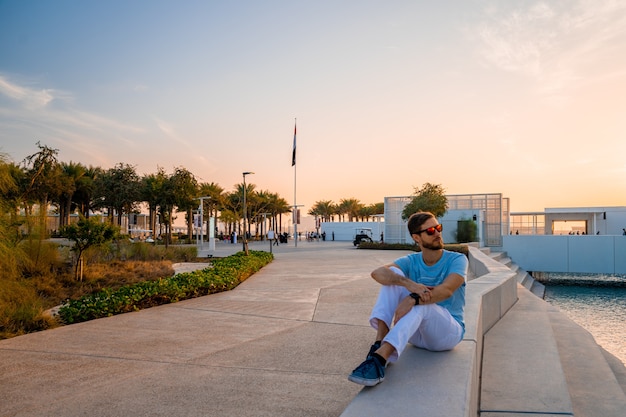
(88, 233)
(8, 230)
(431, 197)
(120, 190)
(42, 184)
(185, 187)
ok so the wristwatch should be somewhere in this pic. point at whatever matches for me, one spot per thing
(416, 297)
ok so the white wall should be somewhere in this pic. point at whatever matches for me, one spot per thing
(345, 231)
(597, 254)
(450, 225)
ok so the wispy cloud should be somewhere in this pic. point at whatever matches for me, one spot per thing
(53, 117)
(28, 97)
(36, 107)
(556, 43)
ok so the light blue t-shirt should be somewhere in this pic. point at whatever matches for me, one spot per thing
(415, 269)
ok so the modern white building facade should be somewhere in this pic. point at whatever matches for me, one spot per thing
(489, 211)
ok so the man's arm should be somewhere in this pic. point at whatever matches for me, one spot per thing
(445, 290)
(385, 276)
(433, 295)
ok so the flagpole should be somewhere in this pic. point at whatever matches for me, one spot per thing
(295, 205)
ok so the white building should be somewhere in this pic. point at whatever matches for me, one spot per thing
(490, 212)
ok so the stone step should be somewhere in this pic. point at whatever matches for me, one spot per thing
(498, 256)
(523, 278)
(522, 372)
(506, 261)
(538, 289)
(591, 381)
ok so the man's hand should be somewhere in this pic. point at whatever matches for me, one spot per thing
(420, 289)
(403, 308)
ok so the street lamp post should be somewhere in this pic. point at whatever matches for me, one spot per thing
(202, 220)
(245, 215)
(265, 229)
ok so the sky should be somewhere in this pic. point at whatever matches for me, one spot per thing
(523, 98)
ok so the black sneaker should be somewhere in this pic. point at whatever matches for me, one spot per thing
(369, 373)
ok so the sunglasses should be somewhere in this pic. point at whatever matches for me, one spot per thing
(431, 230)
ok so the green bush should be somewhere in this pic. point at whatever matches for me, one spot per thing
(466, 231)
(222, 274)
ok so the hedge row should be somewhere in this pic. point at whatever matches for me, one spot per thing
(222, 274)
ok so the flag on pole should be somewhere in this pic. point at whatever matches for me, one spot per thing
(293, 155)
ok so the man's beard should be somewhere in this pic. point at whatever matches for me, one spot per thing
(435, 245)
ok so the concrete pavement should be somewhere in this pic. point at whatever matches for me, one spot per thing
(281, 344)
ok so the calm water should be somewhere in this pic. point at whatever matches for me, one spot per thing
(599, 309)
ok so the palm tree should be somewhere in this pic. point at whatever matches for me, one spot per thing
(351, 207)
(152, 186)
(71, 174)
(216, 200)
(379, 208)
(85, 194)
(324, 209)
(251, 200)
(277, 206)
(365, 212)
(260, 204)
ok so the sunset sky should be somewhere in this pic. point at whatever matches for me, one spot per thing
(522, 98)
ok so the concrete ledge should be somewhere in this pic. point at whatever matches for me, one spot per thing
(521, 357)
(445, 383)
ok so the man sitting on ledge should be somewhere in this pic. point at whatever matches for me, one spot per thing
(428, 305)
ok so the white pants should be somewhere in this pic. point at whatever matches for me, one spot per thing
(428, 326)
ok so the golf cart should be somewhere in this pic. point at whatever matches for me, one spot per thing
(362, 235)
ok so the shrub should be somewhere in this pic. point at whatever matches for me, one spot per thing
(21, 310)
(466, 231)
(222, 274)
(141, 251)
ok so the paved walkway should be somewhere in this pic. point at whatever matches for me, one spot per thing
(281, 344)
